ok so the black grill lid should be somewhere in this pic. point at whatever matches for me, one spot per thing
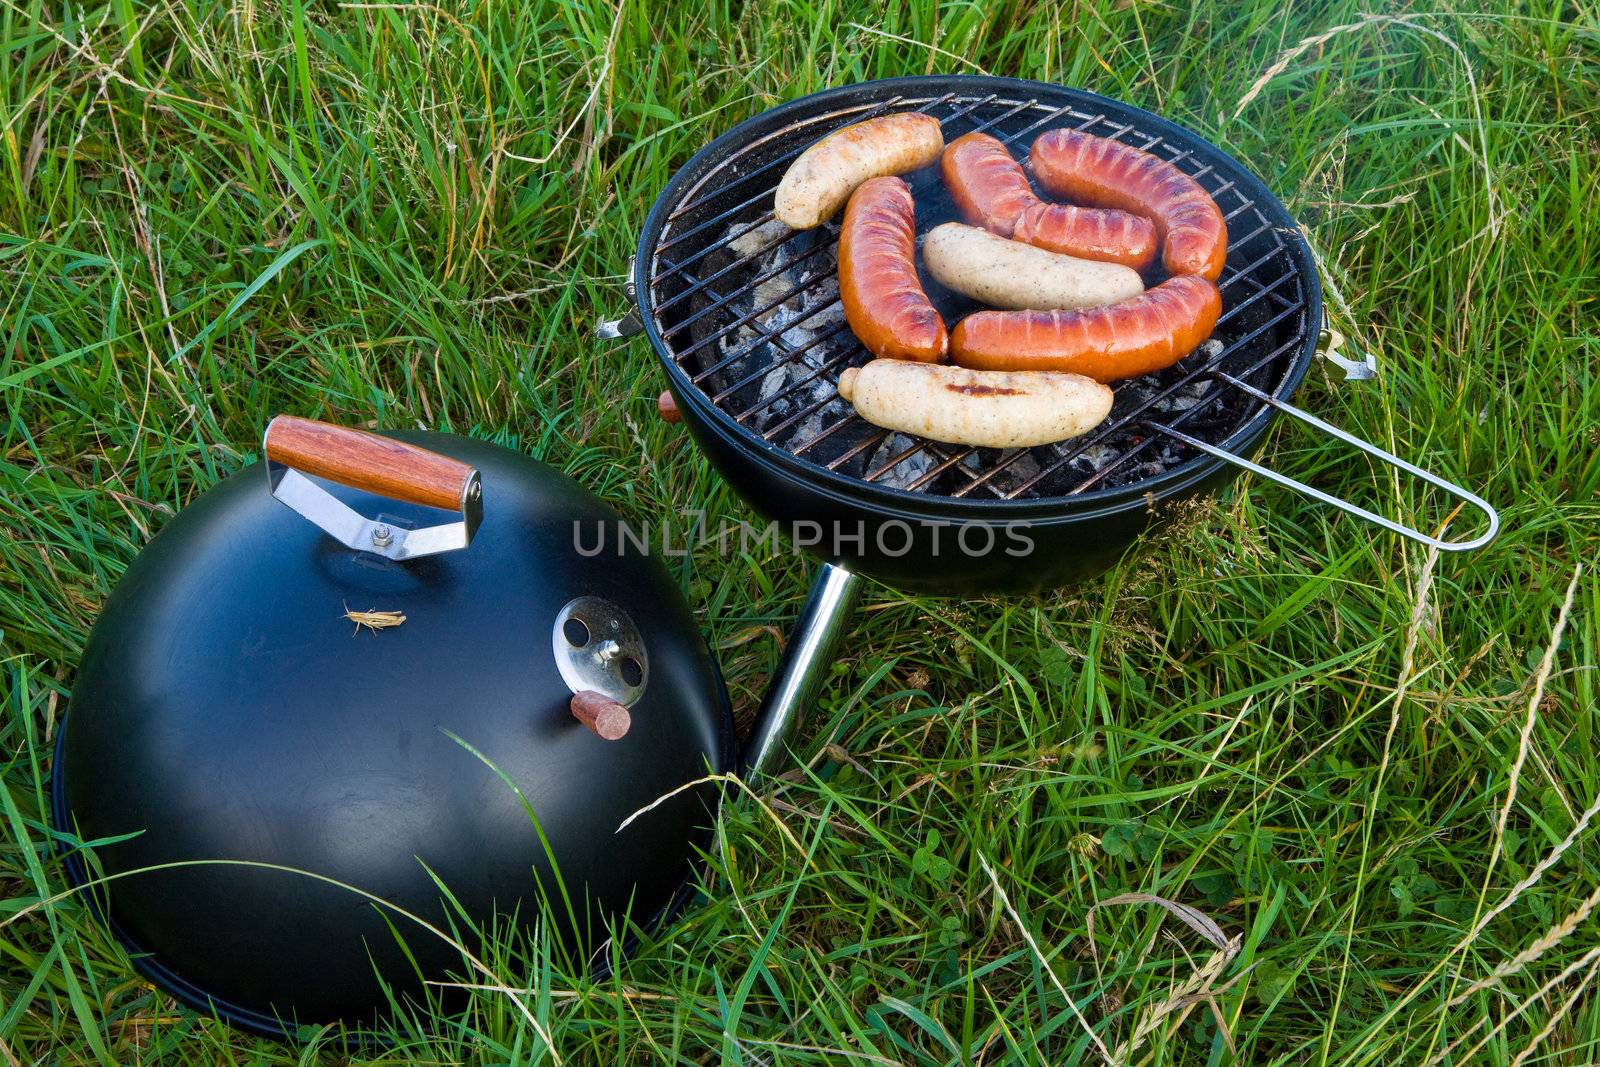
(226, 710)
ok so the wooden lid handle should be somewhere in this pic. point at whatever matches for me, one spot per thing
(368, 462)
(600, 713)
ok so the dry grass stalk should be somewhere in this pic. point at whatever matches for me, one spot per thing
(1022, 927)
(1538, 995)
(1304, 45)
(1562, 929)
(1556, 1017)
(1408, 659)
(1552, 937)
(1532, 877)
(1526, 738)
(1407, 22)
(729, 779)
(1195, 988)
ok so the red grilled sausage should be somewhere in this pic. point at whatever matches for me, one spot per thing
(1123, 340)
(1106, 173)
(990, 190)
(1091, 233)
(987, 185)
(883, 298)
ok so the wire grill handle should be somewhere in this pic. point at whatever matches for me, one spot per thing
(1344, 505)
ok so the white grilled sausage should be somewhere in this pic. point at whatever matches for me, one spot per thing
(817, 184)
(1009, 274)
(995, 409)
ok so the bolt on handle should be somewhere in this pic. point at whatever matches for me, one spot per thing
(296, 447)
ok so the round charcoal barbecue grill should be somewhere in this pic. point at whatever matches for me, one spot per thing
(745, 317)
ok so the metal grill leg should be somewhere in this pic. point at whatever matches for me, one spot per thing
(804, 668)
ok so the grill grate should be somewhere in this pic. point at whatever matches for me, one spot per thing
(750, 311)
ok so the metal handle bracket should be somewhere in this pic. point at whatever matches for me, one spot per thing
(631, 324)
(354, 530)
(1355, 370)
(1344, 505)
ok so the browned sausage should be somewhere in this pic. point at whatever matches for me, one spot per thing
(1106, 173)
(987, 185)
(883, 298)
(990, 190)
(817, 184)
(1123, 340)
(1091, 233)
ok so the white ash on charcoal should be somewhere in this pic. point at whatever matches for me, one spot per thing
(762, 238)
(903, 472)
(781, 341)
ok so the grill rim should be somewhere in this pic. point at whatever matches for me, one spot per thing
(846, 487)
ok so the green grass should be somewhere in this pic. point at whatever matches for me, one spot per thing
(408, 214)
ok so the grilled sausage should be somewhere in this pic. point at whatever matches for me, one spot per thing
(1010, 274)
(1123, 340)
(992, 409)
(1106, 173)
(818, 183)
(987, 185)
(878, 284)
(1093, 233)
(990, 190)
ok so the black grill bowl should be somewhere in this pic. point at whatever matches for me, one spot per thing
(917, 515)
